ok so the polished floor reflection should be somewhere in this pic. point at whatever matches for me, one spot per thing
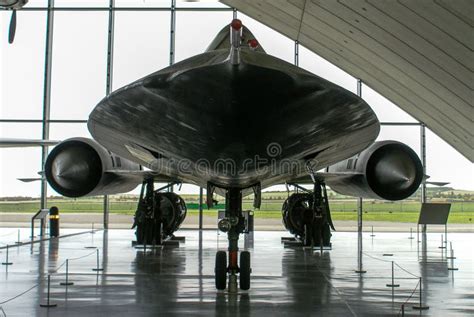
(285, 281)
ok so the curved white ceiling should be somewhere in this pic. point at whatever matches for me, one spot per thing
(418, 54)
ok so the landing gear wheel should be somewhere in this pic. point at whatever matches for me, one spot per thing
(326, 235)
(307, 235)
(245, 270)
(221, 270)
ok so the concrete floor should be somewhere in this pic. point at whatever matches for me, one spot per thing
(285, 281)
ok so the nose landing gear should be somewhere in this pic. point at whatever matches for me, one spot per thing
(234, 225)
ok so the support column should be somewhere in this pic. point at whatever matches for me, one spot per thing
(423, 162)
(172, 31)
(297, 53)
(359, 200)
(200, 208)
(47, 96)
(359, 210)
(108, 85)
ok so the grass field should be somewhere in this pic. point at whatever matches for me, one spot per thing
(405, 211)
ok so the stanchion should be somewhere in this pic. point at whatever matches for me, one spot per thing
(18, 241)
(360, 269)
(372, 235)
(48, 302)
(411, 234)
(97, 269)
(403, 310)
(442, 246)
(67, 283)
(6, 261)
(452, 257)
(421, 306)
(451, 251)
(92, 238)
(393, 278)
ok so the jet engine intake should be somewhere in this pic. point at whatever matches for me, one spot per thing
(387, 170)
(82, 167)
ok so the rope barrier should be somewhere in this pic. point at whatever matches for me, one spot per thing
(375, 258)
(409, 297)
(401, 268)
(21, 294)
(57, 269)
(81, 257)
(404, 270)
(39, 283)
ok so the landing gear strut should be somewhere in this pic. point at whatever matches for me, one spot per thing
(159, 214)
(307, 216)
(233, 224)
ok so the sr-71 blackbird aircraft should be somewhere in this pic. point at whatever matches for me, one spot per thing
(233, 120)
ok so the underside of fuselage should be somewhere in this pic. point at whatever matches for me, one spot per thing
(206, 120)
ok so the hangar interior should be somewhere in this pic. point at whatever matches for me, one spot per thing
(76, 52)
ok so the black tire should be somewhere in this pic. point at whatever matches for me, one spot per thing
(307, 235)
(221, 270)
(327, 235)
(245, 270)
(317, 234)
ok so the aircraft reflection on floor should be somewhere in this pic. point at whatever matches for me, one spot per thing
(290, 281)
(318, 275)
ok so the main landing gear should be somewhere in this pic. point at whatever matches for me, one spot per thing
(159, 214)
(307, 216)
(228, 265)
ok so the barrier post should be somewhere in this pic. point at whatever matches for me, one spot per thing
(442, 246)
(67, 283)
(372, 235)
(97, 269)
(18, 241)
(6, 261)
(451, 251)
(411, 234)
(452, 257)
(392, 285)
(48, 302)
(420, 306)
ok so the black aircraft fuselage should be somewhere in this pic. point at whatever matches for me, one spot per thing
(234, 120)
(209, 119)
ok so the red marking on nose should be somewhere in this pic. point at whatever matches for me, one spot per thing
(253, 43)
(236, 24)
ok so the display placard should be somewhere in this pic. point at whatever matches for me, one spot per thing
(434, 214)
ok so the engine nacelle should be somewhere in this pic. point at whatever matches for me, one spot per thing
(387, 170)
(82, 167)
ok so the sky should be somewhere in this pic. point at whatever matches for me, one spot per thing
(141, 46)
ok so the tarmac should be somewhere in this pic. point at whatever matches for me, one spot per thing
(118, 221)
